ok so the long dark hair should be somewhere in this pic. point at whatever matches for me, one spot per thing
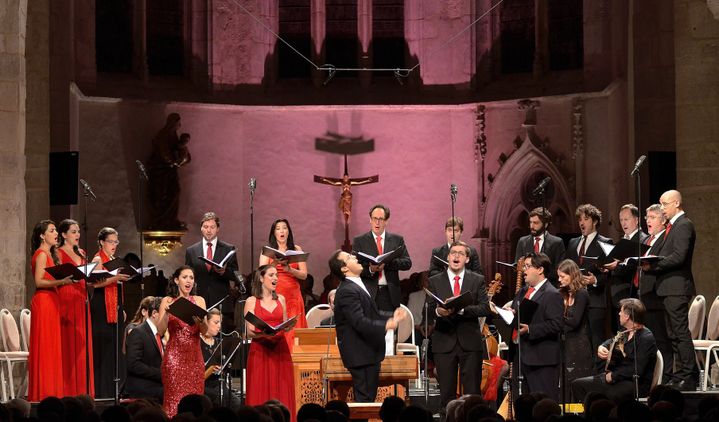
(256, 288)
(290, 238)
(35, 240)
(172, 289)
(64, 227)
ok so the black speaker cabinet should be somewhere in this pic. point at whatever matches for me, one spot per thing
(64, 177)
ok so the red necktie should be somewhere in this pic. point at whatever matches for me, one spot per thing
(159, 344)
(379, 252)
(536, 244)
(581, 250)
(669, 227)
(635, 281)
(209, 255)
(530, 290)
(456, 286)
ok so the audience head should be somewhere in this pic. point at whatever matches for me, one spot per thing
(224, 414)
(378, 218)
(51, 408)
(311, 411)
(589, 218)
(706, 405)
(662, 411)
(391, 407)
(74, 410)
(182, 282)
(523, 407)
(248, 414)
(197, 404)
(452, 409)
(20, 408)
(149, 414)
(415, 413)
(544, 409)
(115, 413)
(599, 411)
(668, 393)
(539, 220)
(342, 407)
(281, 234)
(281, 406)
(335, 416)
(265, 275)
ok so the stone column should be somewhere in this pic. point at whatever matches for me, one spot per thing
(541, 45)
(13, 249)
(696, 56)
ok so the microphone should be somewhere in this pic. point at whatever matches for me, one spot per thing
(142, 169)
(88, 189)
(252, 184)
(638, 164)
(542, 185)
(240, 282)
(453, 191)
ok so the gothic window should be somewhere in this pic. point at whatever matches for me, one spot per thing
(388, 34)
(517, 35)
(165, 37)
(295, 24)
(342, 43)
(113, 36)
(566, 47)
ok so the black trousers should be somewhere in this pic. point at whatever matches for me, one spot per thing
(383, 299)
(470, 368)
(596, 321)
(677, 320)
(364, 382)
(655, 320)
(542, 379)
(617, 392)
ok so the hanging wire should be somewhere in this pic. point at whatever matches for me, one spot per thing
(331, 69)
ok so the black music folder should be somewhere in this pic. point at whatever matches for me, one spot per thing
(455, 302)
(185, 310)
(624, 249)
(380, 259)
(220, 264)
(77, 273)
(267, 328)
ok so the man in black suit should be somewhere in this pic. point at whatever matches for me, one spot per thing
(453, 229)
(624, 282)
(540, 240)
(360, 325)
(382, 280)
(595, 278)
(213, 283)
(539, 340)
(617, 381)
(675, 285)
(144, 357)
(655, 319)
(457, 340)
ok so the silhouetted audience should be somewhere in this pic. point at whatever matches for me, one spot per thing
(340, 406)
(391, 407)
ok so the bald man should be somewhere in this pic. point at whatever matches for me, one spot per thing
(675, 286)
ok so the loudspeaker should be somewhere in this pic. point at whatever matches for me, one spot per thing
(64, 177)
(662, 173)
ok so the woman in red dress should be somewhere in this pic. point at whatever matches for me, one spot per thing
(73, 325)
(106, 334)
(45, 360)
(183, 369)
(289, 276)
(269, 364)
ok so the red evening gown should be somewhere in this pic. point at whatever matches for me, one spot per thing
(269, 365)
(45, 360)
(289, 287)
(183, 370)
(72, 334)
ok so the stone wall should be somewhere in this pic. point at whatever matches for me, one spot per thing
(696, 52)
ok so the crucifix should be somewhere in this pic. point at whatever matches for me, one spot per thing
(345, 146)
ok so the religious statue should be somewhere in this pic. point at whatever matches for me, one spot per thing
(169, 153)
(345, 203)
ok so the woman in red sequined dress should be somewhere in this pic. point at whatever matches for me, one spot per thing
(183, 370)
(290, 276)
(75, 330)
(45, 360)
(269, 364)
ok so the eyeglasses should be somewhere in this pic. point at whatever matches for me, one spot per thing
(527, 266)
(350, 257)
(458, 253)
(666, 204)
(112, 242)
(377, 219)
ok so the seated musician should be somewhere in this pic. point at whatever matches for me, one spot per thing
(616, 381)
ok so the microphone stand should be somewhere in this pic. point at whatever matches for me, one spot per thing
(425, 348)
(139, 223)
(252, 230)
(520, 377)
(243, 364)
(86, 194)
(453, 196)
(638, 273)
(116, 340)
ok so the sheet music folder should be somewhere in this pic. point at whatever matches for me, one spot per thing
(69, 270)
(185, 310)
(380, 259)
(220, 264)
(455, 302)
(289, 256)
(624, 249)
(527, 309)
(267, 328)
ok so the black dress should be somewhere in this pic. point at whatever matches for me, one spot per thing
(104, 345)
(578, 349)
(212, 383)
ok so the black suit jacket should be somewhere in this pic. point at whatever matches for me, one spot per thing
(674, 272)
(553, 247)
(540, 346)
(621, 278)
(597, 294)
(646, 348)
(455, 328)
(437, 267)
(143, 363)
(360, 326)
(366, 243)
(211, 285)
(648, 280)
